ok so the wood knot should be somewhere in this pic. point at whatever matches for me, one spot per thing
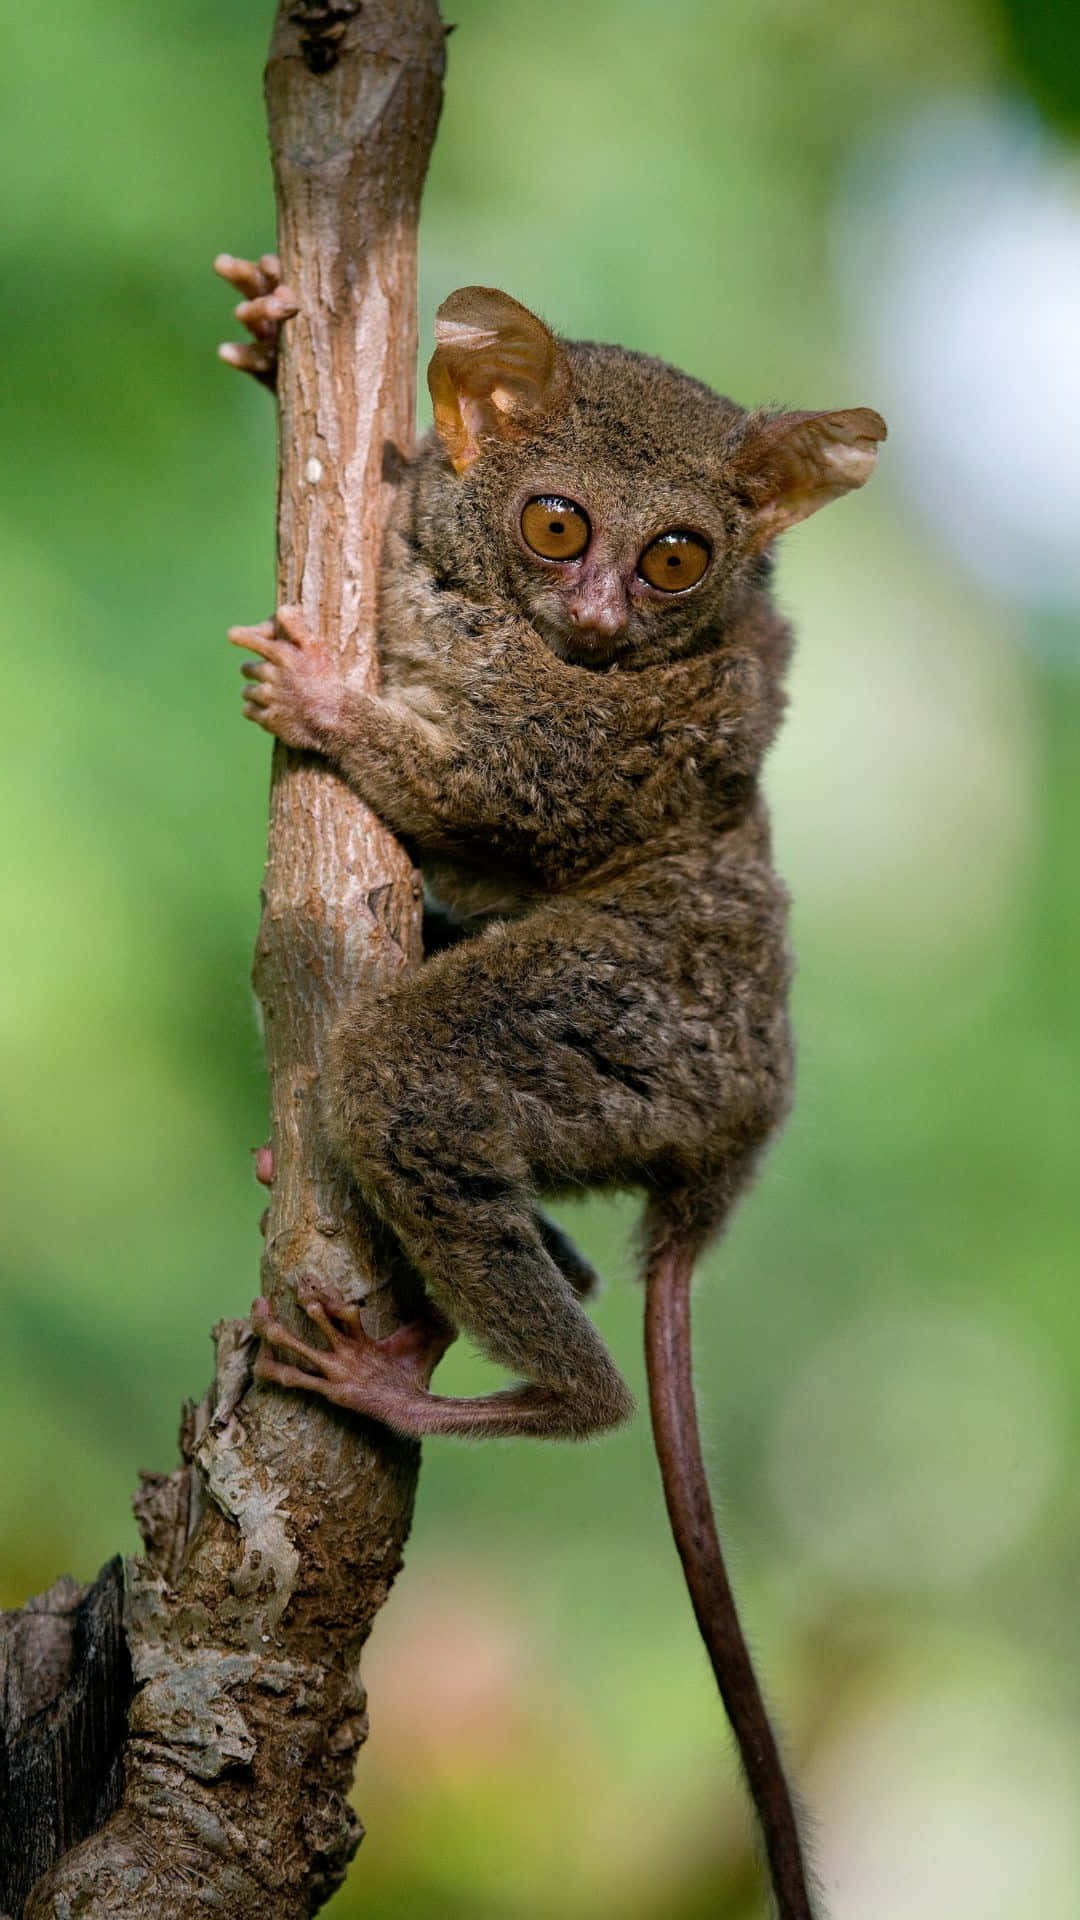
(322, 30)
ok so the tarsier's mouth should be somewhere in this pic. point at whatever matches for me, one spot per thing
(582, 645)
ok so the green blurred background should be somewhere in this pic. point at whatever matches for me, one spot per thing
(810, 202)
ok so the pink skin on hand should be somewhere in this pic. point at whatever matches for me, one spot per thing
(265, 306)
(295, 688)
(382, 1378)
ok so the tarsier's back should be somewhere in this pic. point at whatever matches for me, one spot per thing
(582, 672)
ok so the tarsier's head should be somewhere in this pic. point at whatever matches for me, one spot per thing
(622, 504)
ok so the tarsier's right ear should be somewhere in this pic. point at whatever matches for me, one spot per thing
(496, 372)
(794, 463)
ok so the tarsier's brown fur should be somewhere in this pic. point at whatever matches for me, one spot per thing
(573, 757)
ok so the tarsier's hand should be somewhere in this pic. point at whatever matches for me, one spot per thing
(296, 688)
(265, 305)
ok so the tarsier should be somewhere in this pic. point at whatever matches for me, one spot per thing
(581, 671)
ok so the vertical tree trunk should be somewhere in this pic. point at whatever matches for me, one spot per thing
(271, 1549)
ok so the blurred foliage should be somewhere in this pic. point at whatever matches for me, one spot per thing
(889, 1346)
(1043, 39)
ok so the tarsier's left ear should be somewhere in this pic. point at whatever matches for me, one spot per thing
(797, 462)
(496, 371)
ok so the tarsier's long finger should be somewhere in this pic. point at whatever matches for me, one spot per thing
(249, 277)
(270, 268)
(262, 629)
(264, 315)
(261, 639)
(249, 356)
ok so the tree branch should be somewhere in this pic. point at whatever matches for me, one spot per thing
(270, 1550)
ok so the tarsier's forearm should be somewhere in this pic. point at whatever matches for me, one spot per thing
(389, 759)
(552, 794)
(602, 769)
(295, 689)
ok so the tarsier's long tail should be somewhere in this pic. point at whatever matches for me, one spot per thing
(686, 1490)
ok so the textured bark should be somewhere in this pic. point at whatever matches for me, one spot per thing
(270, 1550)
(65, 1686)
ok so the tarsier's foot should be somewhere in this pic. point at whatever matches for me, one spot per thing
(266, 304)
(295, 688)
(385, 1379)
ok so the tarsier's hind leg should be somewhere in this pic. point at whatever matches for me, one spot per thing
(429, 1104)
(571, 1263)
(438, 1155)
(441, 931)
(572, 1389)
(528, 1058)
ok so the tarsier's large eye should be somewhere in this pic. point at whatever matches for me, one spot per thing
(555, 528)
(674, 560)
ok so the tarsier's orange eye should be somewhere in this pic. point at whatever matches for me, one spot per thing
(674, 560)
(555, 528)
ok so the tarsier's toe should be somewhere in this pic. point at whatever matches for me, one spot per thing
(280, 1373)
(274, 1333)
(335, 1317)
(261, 1318)
(267, 1366)
(271, 1330)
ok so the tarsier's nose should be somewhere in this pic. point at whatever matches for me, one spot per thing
(599, 609)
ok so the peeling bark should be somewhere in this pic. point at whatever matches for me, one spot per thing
(271, 1548)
